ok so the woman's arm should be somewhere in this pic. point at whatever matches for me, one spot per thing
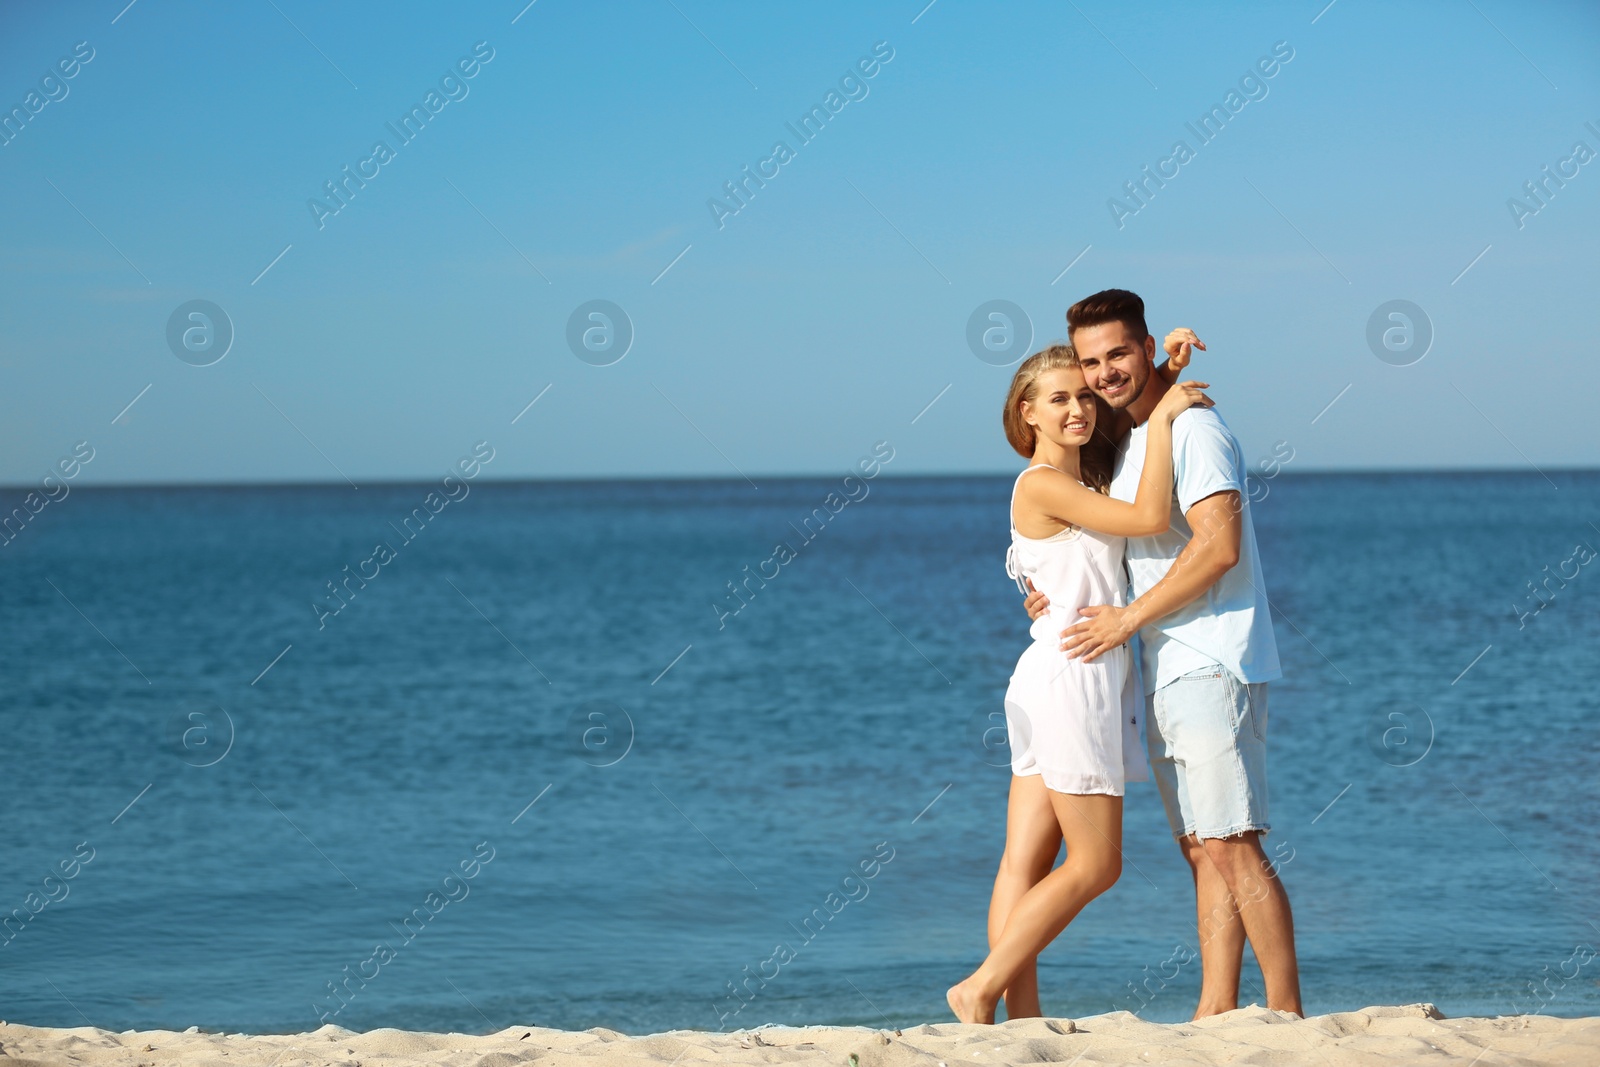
(1177, 345)
(1066, 500)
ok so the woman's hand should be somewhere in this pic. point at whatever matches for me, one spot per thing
(1037, 603)
(1177, 345)
(1181, 398)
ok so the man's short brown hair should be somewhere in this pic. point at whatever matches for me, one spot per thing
(1108, 305)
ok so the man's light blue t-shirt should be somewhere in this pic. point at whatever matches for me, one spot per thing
(1230, 623)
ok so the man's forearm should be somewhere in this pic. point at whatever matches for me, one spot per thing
(1213, 549)
(1195, 570)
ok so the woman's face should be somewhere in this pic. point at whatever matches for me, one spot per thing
(1062, 410)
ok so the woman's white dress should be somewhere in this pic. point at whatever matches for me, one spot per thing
(1074, 723)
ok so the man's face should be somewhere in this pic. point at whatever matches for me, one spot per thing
(1115, 362)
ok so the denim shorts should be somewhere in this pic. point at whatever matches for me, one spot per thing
(1207, 735)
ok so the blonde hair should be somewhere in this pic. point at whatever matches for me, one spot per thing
(1096, 458)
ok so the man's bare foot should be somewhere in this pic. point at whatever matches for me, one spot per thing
(969, 1004)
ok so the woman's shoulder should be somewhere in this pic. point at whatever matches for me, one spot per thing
(1057, 472)
(1053, 480)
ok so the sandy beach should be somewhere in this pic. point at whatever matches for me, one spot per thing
(1415, 1033)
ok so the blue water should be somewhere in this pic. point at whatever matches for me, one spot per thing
(281, 826)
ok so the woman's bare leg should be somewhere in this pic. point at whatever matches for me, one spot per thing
(1091, 825)
(1033, 837)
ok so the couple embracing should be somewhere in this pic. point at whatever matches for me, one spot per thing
(1132, 478)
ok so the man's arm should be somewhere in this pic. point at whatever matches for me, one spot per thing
(1210, 553)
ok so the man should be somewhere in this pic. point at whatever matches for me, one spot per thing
(1200, 610)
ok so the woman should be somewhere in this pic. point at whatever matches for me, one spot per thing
(1072, 725)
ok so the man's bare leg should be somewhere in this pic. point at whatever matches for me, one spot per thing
(1219, 930)
(1033, 837)
(1264, 909)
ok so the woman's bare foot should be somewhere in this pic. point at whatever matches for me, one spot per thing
(1208, 1008)
(969, 1003)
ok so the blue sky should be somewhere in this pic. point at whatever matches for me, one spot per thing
(974, 165)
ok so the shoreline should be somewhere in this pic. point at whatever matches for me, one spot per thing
(1374, 1035)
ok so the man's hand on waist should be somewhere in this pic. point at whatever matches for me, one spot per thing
(1105, 628)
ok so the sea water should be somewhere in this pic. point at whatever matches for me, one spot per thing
(705, 755)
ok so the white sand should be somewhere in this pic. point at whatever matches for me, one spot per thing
(1413, 1034)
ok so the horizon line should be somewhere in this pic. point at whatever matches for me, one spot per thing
(382, 483)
